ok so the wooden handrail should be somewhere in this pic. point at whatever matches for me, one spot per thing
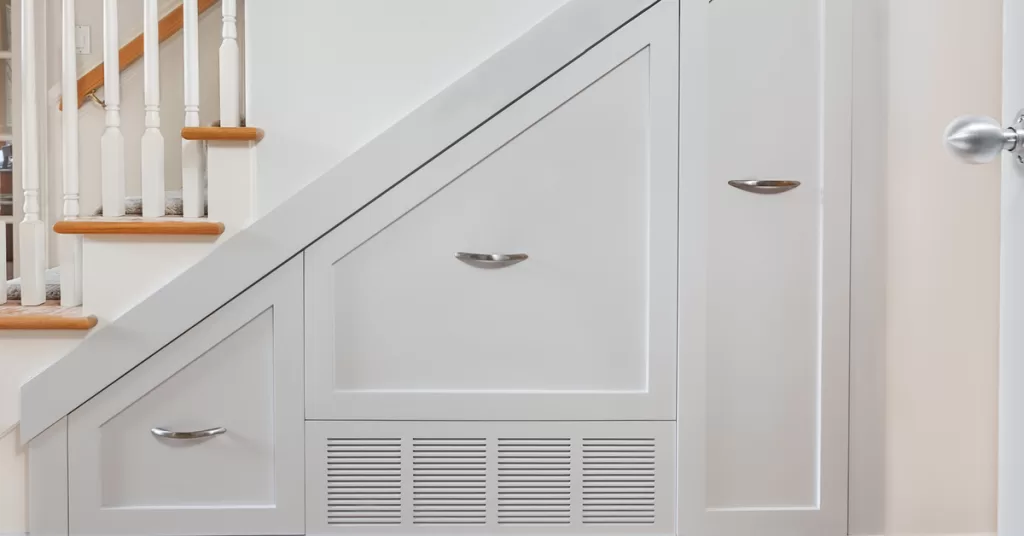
(130, 53)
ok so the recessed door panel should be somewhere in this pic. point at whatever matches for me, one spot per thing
(204, 437)
(777, 267)
(529, 271)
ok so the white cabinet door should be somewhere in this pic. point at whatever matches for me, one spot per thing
(238, 374)
(765, 333)
(580, 176)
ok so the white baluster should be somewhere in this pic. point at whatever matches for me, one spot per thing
(112, 142)
(70, 245)
(152, 141)
(229, 69)
(192, 193)
(32, 230)
(3, 263)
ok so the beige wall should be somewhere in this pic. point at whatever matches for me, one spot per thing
(941, 271)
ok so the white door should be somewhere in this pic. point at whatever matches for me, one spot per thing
(764, 402)
(980, 140)
(1011, 290)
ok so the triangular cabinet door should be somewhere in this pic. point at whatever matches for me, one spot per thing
(527, 272)
(206, 436)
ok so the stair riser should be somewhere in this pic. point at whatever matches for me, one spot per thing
(121, 271)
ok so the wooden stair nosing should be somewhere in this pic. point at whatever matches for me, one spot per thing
(49, 316)
(139, 226)
(222, 133)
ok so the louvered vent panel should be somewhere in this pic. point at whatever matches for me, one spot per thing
(449, 481)
(619, 481)
(364, 481)
(431, 478)
(534, 481)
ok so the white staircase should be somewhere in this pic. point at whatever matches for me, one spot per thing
(113, 249)
(102, 265)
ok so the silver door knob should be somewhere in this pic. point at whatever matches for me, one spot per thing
(978, 140)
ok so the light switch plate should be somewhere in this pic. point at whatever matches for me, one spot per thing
(83, 42)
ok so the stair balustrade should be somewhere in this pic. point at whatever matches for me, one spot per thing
(32, 230)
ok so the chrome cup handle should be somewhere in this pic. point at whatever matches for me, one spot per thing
(491, 260)
(764, 187)
(198, 434)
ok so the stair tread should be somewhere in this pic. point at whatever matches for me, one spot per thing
(136, 225)
(222, 133)
(50, 315)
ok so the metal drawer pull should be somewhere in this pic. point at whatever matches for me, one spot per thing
(764, 187)
(198, 434)
(491, 260)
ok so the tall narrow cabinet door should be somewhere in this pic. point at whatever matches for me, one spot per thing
(764, 404)
(528, 272)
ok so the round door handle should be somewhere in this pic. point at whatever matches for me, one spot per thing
(977, 139)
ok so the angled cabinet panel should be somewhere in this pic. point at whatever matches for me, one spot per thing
(529, 272)
(236, 378)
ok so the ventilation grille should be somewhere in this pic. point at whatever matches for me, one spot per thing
(431, 478)
(534, 481)
(618, 481)
(364, 481)
(449, 481)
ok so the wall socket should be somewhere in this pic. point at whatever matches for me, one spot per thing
(83, 42)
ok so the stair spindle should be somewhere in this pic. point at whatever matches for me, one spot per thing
(192, 188)
(70, 245)
(32, 230)
(112, 142)
(230, 113)
(152, 140)
(3, 265)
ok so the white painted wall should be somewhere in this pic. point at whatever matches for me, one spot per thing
(923, 420)
(352, 68)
